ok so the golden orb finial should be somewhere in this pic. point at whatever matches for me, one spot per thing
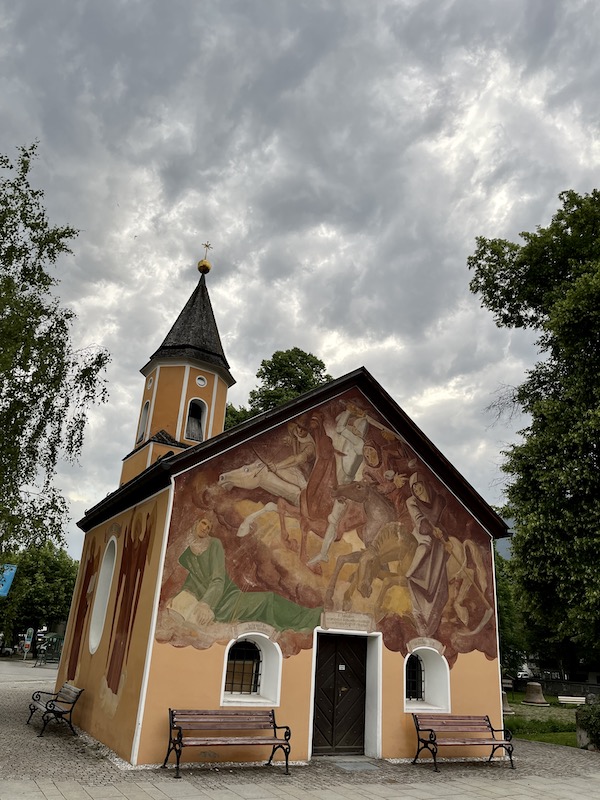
(204, 265)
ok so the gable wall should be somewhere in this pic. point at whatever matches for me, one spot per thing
(112, 675)
(277, 492)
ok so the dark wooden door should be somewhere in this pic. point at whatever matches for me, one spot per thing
(339, 719)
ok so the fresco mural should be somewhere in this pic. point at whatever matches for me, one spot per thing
(137, 540)
(91, 563)
(331, 515)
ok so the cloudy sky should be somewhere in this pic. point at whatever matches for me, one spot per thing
(341, 157)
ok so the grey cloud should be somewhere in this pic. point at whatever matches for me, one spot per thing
(340, 156)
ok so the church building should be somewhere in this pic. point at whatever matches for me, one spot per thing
(322, 559)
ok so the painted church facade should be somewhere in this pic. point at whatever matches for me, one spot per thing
(323, 559)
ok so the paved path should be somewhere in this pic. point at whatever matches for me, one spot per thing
(60, 766)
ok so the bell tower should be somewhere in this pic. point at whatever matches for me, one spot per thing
(186, 383)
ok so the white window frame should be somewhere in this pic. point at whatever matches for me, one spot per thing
(269, 690)
(436, 682)
(143, 422)
(102, 595)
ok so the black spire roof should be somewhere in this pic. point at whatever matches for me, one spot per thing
(195, 335)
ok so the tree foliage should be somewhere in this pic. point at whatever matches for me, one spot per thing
(551, 283)
(41, 591)
(286, 375)
(513, 646)
(46, 385)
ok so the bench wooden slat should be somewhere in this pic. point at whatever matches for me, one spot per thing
(232, 717)
(246, 722)
(433, 731)
(217, 721)
(466, 741)
(226, 740)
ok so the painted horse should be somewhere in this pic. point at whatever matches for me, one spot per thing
(308, 501)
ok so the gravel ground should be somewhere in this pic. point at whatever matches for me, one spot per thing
(59, 755)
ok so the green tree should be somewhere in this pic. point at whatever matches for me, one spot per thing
(287, 374)
(236, 414)
(41, 591)
(551, 283)
(511, 632)
(46, 385)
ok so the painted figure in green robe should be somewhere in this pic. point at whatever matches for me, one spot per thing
(208, 593)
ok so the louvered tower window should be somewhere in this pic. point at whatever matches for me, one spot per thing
(195, 421)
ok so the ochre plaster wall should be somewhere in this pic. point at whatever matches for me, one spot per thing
(134, 464)
(166, 402)
(190, 678)
(112, 675)
(220, 407)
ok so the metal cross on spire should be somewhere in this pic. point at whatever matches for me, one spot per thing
(204, 266)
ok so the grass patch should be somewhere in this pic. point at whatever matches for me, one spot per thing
(566, 738)
(518, 725)
(554, 724)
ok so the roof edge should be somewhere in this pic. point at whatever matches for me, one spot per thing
(160, 474)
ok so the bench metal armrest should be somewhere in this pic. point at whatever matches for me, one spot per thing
(60, 706)
(287, 732)
(506, 734)
(37, 696)
(432, 734)
(176, 733)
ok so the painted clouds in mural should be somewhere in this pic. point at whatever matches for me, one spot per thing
(332, 513)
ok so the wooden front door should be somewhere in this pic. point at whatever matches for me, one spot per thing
(339, 719)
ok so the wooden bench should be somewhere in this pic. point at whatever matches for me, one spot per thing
(441, 730)
(55, 705)
(575, 701)
(184, 726)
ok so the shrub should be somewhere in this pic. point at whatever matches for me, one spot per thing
(588, 719)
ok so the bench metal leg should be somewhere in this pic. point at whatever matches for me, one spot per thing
(174, 747)
(286, 751)
(177, 757)
(509, 751)
(68, 721)
(432, 748)
(45, 719)
(164, 764)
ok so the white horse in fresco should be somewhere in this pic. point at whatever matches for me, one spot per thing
(287, 484)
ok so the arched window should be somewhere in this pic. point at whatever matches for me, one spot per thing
(415, 678)
(101, 598)
(252, 671)
(194, 427)
(243, 668)
(426, 681)
(143, 421)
